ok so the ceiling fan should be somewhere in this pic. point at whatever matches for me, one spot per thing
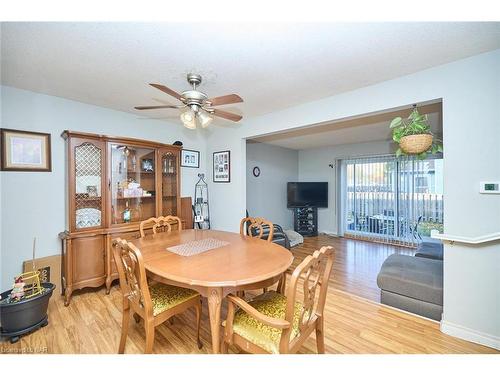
(196, 106)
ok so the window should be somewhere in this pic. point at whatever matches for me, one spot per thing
(392, 200)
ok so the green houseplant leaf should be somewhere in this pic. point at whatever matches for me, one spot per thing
(396, 122)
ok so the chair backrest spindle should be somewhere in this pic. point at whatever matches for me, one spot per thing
(132, 274)
(257, 227)
(314, 273)
(160, 224)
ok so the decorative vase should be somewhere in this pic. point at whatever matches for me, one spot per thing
(416, 144)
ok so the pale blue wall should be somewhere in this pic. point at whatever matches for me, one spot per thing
(33, 203)
(266, 194)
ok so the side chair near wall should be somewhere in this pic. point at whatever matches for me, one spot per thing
(160, 224)
(257, 227)
(264, 229)
(277, 323)
(260, 228)
(154, 303)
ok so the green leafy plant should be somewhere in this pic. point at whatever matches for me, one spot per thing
(413, 125)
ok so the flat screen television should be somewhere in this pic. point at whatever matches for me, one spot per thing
(307, 194)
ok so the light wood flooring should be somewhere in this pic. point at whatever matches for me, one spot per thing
(91, 324)
(356, 264)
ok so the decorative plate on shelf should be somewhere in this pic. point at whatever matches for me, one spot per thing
(88, 217)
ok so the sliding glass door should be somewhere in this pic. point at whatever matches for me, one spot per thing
(392, 200)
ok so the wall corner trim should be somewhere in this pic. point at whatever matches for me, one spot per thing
(468, 334)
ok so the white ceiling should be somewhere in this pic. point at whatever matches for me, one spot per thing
(368, 128)
(271, 66)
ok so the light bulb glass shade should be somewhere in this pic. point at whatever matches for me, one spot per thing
(188, 119)
(204, 119)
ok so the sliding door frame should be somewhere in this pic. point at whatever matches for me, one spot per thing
(342, 193)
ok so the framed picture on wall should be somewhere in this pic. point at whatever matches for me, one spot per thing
(222, 166)
(25, 151)
(190, 158)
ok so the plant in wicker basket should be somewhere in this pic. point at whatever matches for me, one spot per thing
(414, 135)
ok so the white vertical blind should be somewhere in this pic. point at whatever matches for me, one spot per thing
(392, 200)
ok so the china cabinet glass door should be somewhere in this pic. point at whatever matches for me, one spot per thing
(132, 184)
(169, 182)
(87, 199)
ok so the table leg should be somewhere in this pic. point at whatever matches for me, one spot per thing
(214, 307)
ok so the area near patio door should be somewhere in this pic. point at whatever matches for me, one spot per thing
(388, 199)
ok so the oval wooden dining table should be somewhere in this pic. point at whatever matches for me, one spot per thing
(244, 263)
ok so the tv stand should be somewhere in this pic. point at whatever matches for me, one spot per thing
(305, 221)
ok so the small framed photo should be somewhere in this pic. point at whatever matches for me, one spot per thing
(147, 165)
(190, 158)
(222, 166)
(25, 151)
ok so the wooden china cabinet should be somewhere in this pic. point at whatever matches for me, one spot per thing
(113, 184)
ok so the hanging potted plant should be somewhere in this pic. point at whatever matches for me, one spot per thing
(414, 135)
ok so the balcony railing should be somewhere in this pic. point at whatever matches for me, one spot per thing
(377, 212)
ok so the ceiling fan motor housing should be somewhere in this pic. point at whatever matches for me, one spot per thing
(194, 98)
(194, 79)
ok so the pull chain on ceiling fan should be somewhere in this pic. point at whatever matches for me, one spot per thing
(196, 107)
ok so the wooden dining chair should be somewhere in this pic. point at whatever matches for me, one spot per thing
(274, 322)
(154, 303)
(257, 227)
(160, 224)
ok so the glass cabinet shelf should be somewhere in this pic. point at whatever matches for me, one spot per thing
(132, 183)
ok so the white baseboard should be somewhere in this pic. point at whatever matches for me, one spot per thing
(470, 335)
(333, 234)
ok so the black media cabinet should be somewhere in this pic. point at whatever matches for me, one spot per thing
(305, 221)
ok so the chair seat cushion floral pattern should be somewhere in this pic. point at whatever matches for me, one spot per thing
(273, 305)
(165, 297)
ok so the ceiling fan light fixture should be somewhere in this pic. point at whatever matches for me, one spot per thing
(204, 119)
(188, 119)
(197, 107)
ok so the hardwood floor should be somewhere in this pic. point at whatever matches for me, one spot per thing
(356, 265)
(91, 323)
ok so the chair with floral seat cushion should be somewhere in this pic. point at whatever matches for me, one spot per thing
(160, 224)
(277, 323)
(154, 303)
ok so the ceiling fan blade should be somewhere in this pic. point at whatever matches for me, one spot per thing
(155, 106)
(226, 115)
(226, 99)
(166, 90)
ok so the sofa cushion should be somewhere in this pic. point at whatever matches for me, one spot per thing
(294, 237)
(414, 277)
(430, 248)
